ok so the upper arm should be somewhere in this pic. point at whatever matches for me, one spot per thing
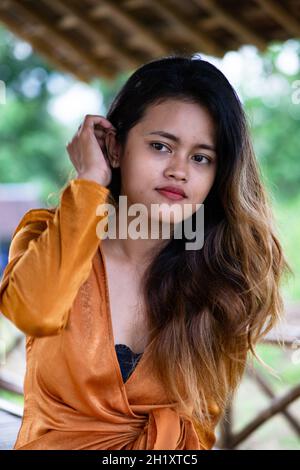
(50, 256)
(31, 226)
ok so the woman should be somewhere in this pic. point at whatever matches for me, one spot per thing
(190, 316)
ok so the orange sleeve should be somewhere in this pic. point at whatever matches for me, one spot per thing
(50, 256)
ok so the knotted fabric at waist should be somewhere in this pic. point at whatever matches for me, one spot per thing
(160, 429)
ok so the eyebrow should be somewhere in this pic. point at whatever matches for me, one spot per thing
(177, 139)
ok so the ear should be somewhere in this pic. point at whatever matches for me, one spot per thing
(112, 148)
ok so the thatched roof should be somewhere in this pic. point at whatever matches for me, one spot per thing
(101, 38)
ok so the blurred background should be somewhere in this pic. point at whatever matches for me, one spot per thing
(62, 60)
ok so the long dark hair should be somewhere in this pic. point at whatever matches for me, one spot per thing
(207, 308)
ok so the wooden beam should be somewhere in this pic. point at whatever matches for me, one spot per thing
(44, 49)
(199, 40)
(53, 34)
(209, 24)
(226, 425)
(233, 24)
(112, 48)
(282, 16)
(277, 405)
(285, 336)
(67, 21)
(138, 34)
(263, 384)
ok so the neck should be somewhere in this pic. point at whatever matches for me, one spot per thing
(136, 252)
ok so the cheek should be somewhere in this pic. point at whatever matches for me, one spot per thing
(202, 187)
(136, 166)
(141, 177)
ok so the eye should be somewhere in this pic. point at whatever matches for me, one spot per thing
(152, 144)
(203, 156)
(157, 143)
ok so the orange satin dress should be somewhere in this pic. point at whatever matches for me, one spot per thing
(54, 288)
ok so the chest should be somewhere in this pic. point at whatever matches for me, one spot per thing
(127, 310)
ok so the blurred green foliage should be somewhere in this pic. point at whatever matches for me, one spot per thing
(32, 142)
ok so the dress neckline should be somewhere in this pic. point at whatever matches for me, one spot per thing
(141, 363)
(124, 346)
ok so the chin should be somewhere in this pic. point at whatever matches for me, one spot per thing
(166, 221)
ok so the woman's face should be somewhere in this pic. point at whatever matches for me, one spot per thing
(151, 160)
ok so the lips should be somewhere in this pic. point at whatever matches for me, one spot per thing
(171, 193)
(172, 189)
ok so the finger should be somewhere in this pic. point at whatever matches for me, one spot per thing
(99, 132)
(101, 126)
(100, 141)
(91, 120)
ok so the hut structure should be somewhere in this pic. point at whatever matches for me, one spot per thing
(101, 38)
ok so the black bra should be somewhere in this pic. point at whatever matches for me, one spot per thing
(127, 359)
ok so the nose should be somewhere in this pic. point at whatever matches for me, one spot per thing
(176, 169)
